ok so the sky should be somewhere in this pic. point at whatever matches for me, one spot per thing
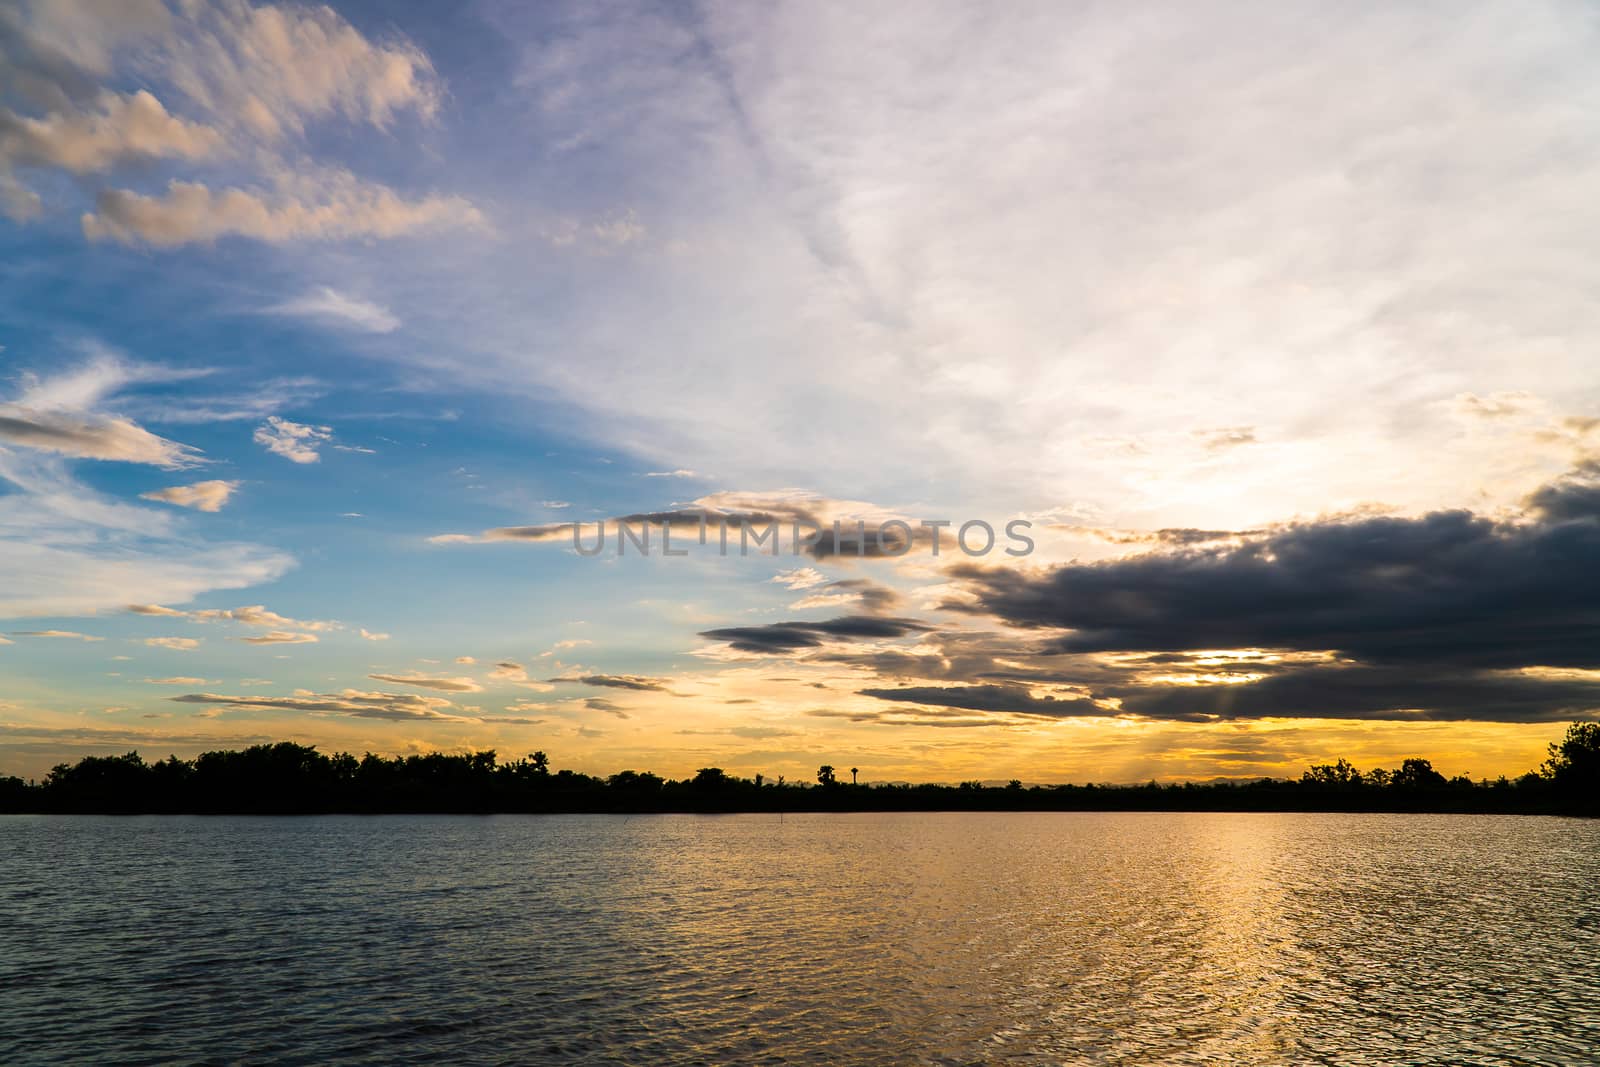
(1275, 323)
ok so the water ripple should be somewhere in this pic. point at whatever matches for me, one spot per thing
(1057, 938)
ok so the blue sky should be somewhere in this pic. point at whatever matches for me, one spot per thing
(303, 309)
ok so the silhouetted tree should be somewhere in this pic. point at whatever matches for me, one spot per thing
(290, 778)
(1417, 774)
(1574, 764)
(710, 778)
(1340, 774)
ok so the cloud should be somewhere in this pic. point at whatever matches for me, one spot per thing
(66, 549)
(333, 206)
(257, 615)
(781, 637)
(1003, 698)
(397, 707)
(1573, 497)
(330, 305)
(251, 615)
(1501, 405)
(157, 610)
(607, 706)
(1444, 616)
(176, 681)
(1226, 437)
(423, 681)
(86, 577)
(680, 473)
(799, 578)
(280, 637)
(202, 496)
(863, 592)
(259, 74)
(60, 635)
(293, 441)
(273, 68)
(90, 436)
(509, 672)
(367, 635)
(616, 681)
(177, 644)
(800, 521)
(119, 128)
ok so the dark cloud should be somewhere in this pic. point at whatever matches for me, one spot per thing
(1449, 586)
(607, 706)
(616, 681)
(391, 706)
(945, 718)
(705, 525)
(1009, 698)
(422, 681)
(788, 636)
(871, 596)
(91, 436)
(1446, 616)
(1408, 693)
(1568, 498)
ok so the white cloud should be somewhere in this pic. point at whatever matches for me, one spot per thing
(799, 578)
(121, 127)
(257, 615)
(257, 73)
(252, 615)
(293, 441)
(156, 610)
(680, 473)
(64, 415)
(367, 635)
(60, 635)
(1043, 245)
(329, 206)
(176, 681)
(78, 578)
(274, 67)
(280, 637)
(202, 496)
(177, 644)
(66, 549)
(330, 305)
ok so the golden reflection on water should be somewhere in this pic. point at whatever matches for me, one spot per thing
(1077, 938)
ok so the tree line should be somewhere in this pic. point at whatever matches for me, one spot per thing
(288, 778)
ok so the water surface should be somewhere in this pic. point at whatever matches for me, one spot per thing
(1075, 937)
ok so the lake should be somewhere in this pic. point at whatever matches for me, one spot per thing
(1071, 937)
